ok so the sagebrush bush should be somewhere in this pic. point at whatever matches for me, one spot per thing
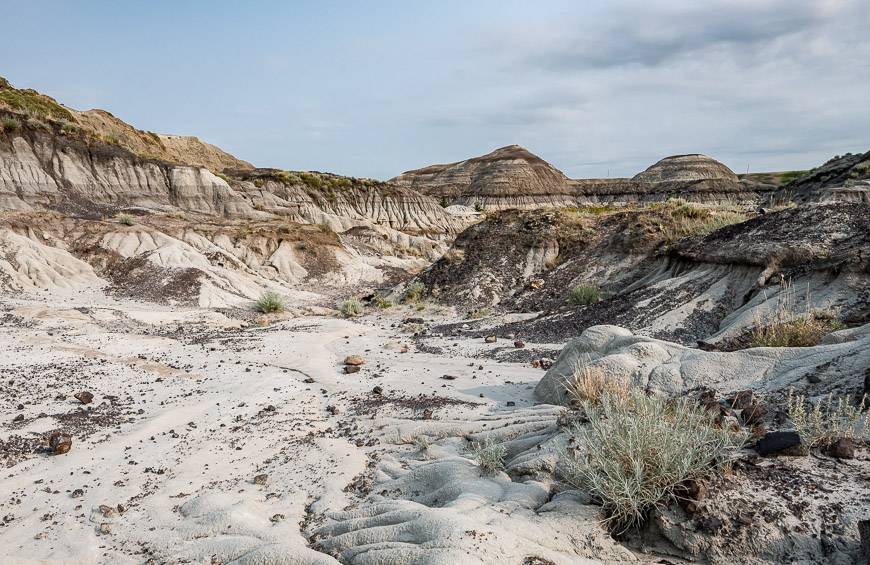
(584, 294)
(413, 292)
(828, 420)
(382, 302)
(269, 302)
(351, 307)
(635, 452)
(489, 455)
(125, 219)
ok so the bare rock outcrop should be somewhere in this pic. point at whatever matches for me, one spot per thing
(843, 178)
(513, 177)
(509, 177)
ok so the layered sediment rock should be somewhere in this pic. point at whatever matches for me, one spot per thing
(513, 177)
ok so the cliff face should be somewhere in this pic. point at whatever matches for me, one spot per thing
(512, 177)
(844, 178)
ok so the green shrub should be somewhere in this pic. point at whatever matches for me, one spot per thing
(35, 123)
(351, 307)
(635, 452)
(584, 294)
(10, 124)
(125, 219)
(413, 292)
(269, 302)
(489, 455)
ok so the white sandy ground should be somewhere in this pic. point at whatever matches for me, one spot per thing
(182, 421)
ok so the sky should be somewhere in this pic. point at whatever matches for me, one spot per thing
(598, 88)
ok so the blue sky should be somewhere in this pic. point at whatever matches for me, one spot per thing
(374, 88)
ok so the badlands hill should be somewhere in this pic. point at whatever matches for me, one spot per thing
(513, 177)
(90, 201)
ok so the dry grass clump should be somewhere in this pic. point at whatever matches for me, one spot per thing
(688, 219)
(125, 219)
(584, 294)
(784, 328)
(590, 384)
(269, 302)
(635, 452)
(828, 420)
(489, 455)
(351, 307)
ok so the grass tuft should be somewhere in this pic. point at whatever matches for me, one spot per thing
(413, 292)
(584, 294)
(9, 124)
(489, 455)
(590, 384)
(351, 307)
(125, 219)
(635, 452)
(828, 420)
(269, 302)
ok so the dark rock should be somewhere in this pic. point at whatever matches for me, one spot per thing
(332, 410)
(427, 414)
(378, 390)
(308, 380)
(18, 418)
(490, 339)
(843, 448)
(779, 443)
(84, 397)
(349, 369)
(519, 343)
(261, 479)
(59, 442)
(864, 533)
(448, 377)
(511, 403)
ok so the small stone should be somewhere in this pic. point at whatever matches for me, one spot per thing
(378, 390)
(106, 510)
(276, 517)
(84, 397)
(353, 360)
(511, 403)
(77, 493)
(490, 339)
(519, 344)
(59, 442)
(350, 369)
(427, 414)
(448, 377)
(843, 448)
(332, 410)
(105, 528)
(308, 380)
(18, 418)
(261, 479)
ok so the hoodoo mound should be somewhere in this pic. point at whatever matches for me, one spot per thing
(687, 168)
(510, 177)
